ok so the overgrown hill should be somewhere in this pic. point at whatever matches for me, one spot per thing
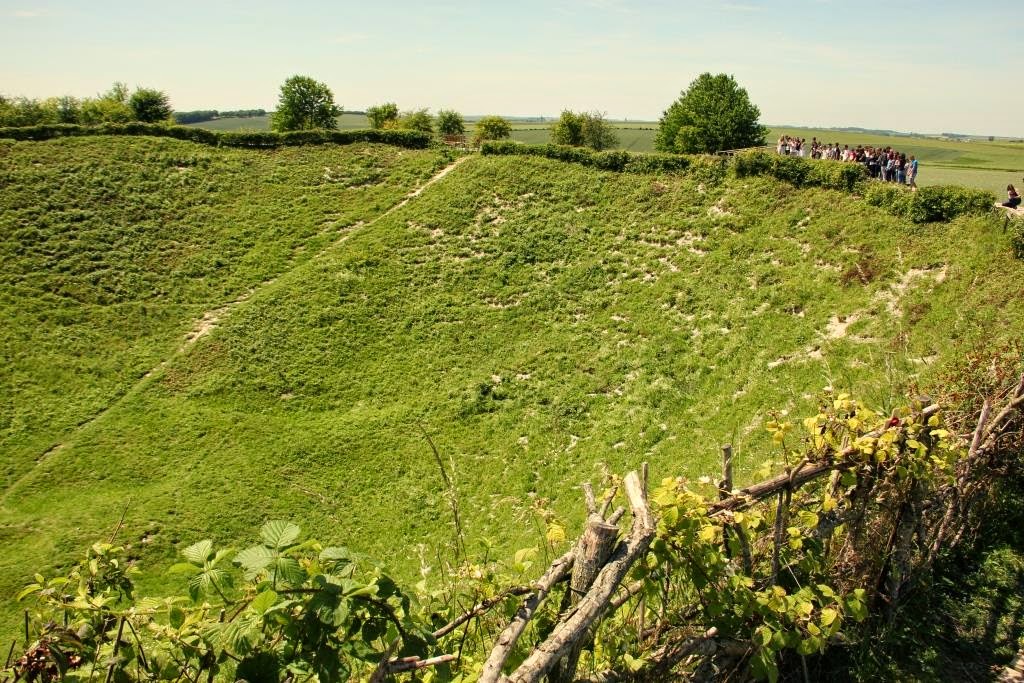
(540, 321)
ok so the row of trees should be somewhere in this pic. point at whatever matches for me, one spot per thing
(117, 105)
(305, 103)
(712, 114)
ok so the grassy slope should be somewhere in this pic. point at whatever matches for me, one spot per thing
(113, 248)
(543, 321)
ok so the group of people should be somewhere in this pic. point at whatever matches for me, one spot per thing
(882, 163)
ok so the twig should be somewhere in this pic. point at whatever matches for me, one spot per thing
(480, 608)
(113, 656)
(120, 522)
(594, 604)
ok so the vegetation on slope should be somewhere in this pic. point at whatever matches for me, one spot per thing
(113, 249)
(541, 321)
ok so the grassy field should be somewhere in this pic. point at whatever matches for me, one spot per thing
(543, 322)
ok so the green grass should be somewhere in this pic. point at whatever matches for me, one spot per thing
(542, 321)
(114, 248)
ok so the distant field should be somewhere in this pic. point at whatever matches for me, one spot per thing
(263, 123)
(974, 163)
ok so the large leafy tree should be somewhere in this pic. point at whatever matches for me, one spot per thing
(149, 105)
(713, 114)
(305, 104)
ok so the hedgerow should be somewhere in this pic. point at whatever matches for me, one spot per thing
(927, 204)
(263, 139)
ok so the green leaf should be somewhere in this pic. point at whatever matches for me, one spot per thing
(28, 590)
(184, 568)
(288, 569)
(176, 617)
(828, 615)
(335, 554)
(254, 560)
(279, 534)
(262, 602)
(199, 553)
(763, 666)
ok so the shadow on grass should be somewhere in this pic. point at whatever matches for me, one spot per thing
(965, 625)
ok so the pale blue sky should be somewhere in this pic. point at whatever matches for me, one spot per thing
(928, 66)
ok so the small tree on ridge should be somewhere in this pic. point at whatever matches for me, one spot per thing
(150, 106)
(450, 122)
(492, 128)
(380, 114)
(305, 104)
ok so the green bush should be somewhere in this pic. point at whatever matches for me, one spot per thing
(616, 160)
(381, 114)
(400, 138)
(492, 128)
(450, 122)
(834, 175)
(1017, 239)
(929, 204)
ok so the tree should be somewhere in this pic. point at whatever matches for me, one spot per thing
(450, 122)
(492, 128)
(150, 106)
(109, 107)
(419, 119)
(713, 114)
(568, 129)
(381, 114)
(305, 104)
(588, 129)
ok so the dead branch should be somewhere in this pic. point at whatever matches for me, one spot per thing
(590, 608)
(558, 570)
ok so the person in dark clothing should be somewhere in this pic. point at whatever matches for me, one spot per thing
(1012, 197)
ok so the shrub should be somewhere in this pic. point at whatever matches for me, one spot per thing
(492, 128)
(150, 106)
(931, 203)
(568, 129)
(380, 114)
(400, 138)
(584, 129)
(450, 122)
(419, 119)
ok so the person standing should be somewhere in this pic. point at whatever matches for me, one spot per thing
(912, 173)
